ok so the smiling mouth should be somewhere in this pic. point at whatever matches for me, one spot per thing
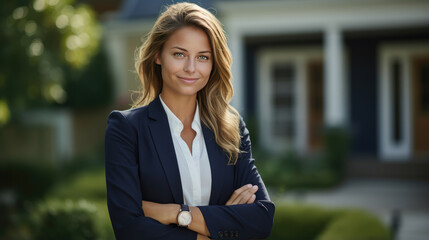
(188, 80)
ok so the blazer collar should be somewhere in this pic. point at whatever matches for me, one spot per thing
(161, 135)
(218, 164)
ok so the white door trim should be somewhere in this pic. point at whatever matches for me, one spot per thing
(298, 56)
(389, 150)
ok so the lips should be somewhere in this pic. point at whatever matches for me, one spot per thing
(188, 80)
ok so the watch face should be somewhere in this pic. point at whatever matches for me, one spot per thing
(184, 218)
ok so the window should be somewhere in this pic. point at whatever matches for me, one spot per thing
(283, 100)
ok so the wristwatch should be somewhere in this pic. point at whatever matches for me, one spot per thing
(184, 218)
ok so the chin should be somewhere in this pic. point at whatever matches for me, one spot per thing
(187, 91)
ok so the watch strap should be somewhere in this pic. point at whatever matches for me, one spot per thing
(184, 207)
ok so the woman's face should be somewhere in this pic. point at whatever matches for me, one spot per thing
(186, 62)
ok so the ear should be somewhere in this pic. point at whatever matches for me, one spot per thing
(157, 59)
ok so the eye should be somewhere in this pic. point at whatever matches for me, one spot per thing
(203, 58)
(178, 54)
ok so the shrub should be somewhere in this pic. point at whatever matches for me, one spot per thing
(21, 183)
(306, 222)
(292, 171)
(66, 220)
(355, 225)
(90, 185)
(300, 222)
(26, 181)
(87, 184)
(336, 147)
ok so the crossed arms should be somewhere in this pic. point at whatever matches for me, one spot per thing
(167, 213)
(247, 214)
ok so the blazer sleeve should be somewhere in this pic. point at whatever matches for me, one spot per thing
(244, 221)
(124, 196)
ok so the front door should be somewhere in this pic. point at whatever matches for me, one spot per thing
(315, 104)
(420, 81)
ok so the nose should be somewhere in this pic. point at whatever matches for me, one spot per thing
(190, 65)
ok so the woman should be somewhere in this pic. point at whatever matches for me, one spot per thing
(179, 163)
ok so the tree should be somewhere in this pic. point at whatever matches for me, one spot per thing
(42, 42)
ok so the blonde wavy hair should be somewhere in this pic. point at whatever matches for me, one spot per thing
(214, 99)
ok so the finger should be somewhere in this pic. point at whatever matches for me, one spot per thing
(244, 196)
(251, 199)
(237, 193)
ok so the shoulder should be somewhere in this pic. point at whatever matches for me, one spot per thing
(243, 128)
(245, 143)
(128, 120)
(131, 115)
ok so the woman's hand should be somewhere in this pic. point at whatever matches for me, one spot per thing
(202, 237)
(163, 213)
(243, 195)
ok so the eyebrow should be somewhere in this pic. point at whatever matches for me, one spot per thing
(207, 51)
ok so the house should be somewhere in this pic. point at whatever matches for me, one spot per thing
(302, 65)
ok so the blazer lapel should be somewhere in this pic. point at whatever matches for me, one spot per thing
(161, 135)
(218, 164)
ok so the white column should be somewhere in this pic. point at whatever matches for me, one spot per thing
(236, 46)
(115, 43)
(334, 91)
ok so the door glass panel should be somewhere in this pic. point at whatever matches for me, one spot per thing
(283, 99)
(396, 71)
(424, 89)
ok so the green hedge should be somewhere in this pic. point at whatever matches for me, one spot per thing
(66, 220)
(87, 184)
(305, 222)
(355, 225)
(26, 181)
(300, 222)
(289, 170)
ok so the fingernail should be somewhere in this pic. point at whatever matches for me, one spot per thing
(255, 187)
(249, 185)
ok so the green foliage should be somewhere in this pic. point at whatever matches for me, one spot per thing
(90, 185)
(43, 41)
(103, 221)
(42, 202)
(336, 147)
(355, 225)
(20, 185)
(291, 171)
(4, 112)
(87, 184)
(26, 181)
(91, 87)
(305, 222)
(300, 222)
(66, 220)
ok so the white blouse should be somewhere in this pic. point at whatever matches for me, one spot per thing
(195, 172)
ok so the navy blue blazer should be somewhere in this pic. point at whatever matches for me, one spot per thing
(141, 165)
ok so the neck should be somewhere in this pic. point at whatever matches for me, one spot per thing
(182, 106)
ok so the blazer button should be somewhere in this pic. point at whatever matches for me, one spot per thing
(226, 234)
(220, 234)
